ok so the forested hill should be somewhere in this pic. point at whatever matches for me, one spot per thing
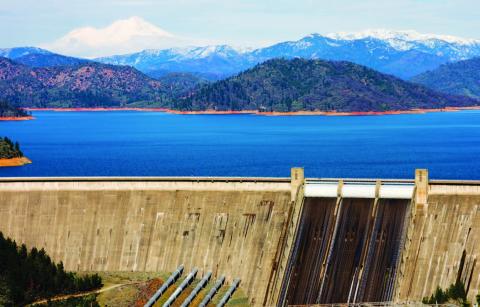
(298, 84)
(85, 85)
(460, 78)
(7, 110)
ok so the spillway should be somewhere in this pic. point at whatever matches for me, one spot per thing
(348, 243)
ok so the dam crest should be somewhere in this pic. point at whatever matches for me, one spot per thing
(291, 241)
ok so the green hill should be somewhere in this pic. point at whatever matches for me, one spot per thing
(460, 78)
(298, 84)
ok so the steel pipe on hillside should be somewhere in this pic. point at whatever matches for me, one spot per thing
(175, 275)
(188, 280)
(197, 289)
(229, 293)
(212, 292)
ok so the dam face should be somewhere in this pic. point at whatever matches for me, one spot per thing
(291, 241)
(230, 227)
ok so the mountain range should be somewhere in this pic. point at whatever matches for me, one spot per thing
(343, 72)
(459, 78)
(403, 54)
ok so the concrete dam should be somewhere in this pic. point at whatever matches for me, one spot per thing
(291, 241)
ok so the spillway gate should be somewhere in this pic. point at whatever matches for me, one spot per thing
(348, 242)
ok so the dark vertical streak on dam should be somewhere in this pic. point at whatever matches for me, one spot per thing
(343, 266)
(318, 223)
(347, 251)
(384, 251)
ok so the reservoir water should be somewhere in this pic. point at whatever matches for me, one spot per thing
(130, 143)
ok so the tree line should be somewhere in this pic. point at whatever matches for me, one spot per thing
(30, 275)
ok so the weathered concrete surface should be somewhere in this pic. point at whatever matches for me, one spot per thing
(233, 228)
(249, 228)
(443, 242)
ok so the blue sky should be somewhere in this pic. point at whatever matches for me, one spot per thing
(239, 22)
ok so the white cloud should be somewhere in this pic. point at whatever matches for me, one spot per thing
(120, 37)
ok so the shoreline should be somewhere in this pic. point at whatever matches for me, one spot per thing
(20, 161)
(254, 112)
(12, 118)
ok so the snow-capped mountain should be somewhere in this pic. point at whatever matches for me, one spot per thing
(212, 61)
(455, 47)
(407, 36)
(401, 53)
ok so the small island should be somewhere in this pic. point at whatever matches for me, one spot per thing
(10, 154)
(9, 112)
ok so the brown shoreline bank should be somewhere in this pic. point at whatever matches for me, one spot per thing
(255, 112)
(12, 118)
(14, 162)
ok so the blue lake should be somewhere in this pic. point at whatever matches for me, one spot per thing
(160, 144)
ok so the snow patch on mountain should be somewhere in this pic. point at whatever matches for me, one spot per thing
(406, 35)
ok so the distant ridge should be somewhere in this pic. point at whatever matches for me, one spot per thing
(38, 57)
(314, 85)
(460, 78)
(49, 60)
